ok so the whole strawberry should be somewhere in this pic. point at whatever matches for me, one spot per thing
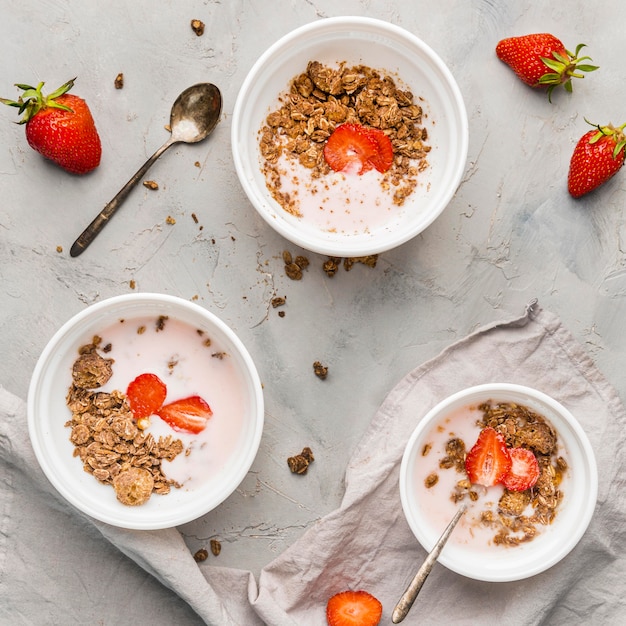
(598, 156)
(60, 127)
(541, 60)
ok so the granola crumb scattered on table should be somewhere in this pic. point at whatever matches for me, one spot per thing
(216, 547)
(201, 555)
(299, 464)
(119, 81)
(321, 371)
(198, 27)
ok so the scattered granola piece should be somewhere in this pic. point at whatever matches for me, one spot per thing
(198, 27)
(431, 480)
(216, 547)
(170, 220)
(369, 261)
(278, 301)
(160, 323)
(201, 555)
(151, 184)
(194, 217)
(299, 464)
(119, 81)
(59, 249)
(331, 266)
(132, 284)
(321, 371)
(293, 271)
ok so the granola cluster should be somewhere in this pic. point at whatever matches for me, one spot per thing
(320, 99)
(107, 438)
(521, 427)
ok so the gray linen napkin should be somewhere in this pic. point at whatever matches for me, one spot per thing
(366, 543)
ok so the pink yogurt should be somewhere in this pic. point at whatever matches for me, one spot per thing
(198, 369)
(344, 202)
(436, 501)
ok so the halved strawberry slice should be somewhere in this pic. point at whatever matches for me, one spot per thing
(146, 395)
(353, 608)
(350, 149)
(524, 471)
(383, 159)
(188, 415)
(488, 462)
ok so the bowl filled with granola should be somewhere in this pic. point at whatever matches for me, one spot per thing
(349, 136)
(145, 411)
(522, 464)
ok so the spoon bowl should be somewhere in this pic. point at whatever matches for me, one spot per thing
(195, 113)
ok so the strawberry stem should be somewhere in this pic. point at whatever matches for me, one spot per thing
(616, 133)
(564, 68)
(33, 100)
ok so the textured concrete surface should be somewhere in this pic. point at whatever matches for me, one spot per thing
(511, 233)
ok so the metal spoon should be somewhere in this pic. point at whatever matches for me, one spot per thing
(194, 115)
(408, 597)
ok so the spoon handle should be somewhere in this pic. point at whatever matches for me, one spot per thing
(408, 597)
(102, 219)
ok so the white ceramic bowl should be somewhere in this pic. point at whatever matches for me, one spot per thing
(47, 414)
(376, 44)
(498, 563)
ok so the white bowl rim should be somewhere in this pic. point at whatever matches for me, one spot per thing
(39, 370)
(590, 471)
(292, 234)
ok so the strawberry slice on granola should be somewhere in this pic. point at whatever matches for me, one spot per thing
(189, 415)
(354, 148)
(488, 462)
(524, 472)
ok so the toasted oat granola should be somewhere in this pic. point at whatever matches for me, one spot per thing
(521, 427)
(107, 438)
(322, 98)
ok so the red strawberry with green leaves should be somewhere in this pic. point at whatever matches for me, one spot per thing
(60, 127)
(355, 148)
(488, 462)
(189, 415)
(353, 608)
(146, 395)
(598, 156)
(541, 60)
(524, 471)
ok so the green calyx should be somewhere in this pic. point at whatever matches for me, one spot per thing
(33, 100)
(617, 134)
(564, 68)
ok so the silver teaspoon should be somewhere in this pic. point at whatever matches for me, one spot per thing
(408, 597)
(194, 115)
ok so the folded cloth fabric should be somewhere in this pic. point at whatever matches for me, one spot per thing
(366, 543)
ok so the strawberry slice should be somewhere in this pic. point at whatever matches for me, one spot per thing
(353, 608)
(524, 471)
(488, 462)
(354, 148)
(383, 159)
(146, 395)
(188, 415)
